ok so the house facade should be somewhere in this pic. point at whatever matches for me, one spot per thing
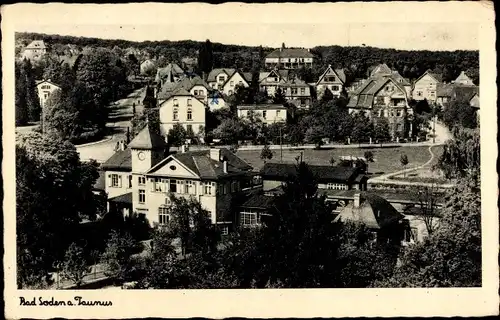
(333, 79)
(463, 79)
(141, 178)
(426, 86)
(236, 79)
(297, 92)
(45, 88)
(384, 97)
(268, 113)
(289, 58)
(35, 50)
(181, 107)
(269, 81)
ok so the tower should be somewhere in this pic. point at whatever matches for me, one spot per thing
(147, 149)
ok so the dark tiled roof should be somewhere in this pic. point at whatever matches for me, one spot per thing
(438, 77)
(124, 198)
(290, 53)
(207, 168)
(374, 211)
(170, 68)
(464, 92)
(281, 171)
(120, 161)
(148, 140)
(338, 72)
(444, 90)
(258, 201)
(363, 96)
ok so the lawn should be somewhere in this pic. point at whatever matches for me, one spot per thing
(386, 159)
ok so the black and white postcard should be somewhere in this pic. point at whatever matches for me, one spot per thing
(250, 160)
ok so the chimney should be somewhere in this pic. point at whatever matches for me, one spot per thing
(224, 165)
(215, 154)
(357, 200)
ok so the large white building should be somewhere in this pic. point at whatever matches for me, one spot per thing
(289, 58)
(268, 113)
(142, 177)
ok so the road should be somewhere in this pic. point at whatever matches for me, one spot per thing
(119, 119)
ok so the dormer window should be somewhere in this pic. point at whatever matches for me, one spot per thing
(176, 103)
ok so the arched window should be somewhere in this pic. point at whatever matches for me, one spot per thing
(190, 114)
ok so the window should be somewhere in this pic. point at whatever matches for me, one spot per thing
(163, 215)
(44, 87)
(278, 113)
(195, 92)
(275, 79)
(419, 93)
(130, 181)
(142, 181)
(224, 230)
(230, 92)
(189, 102)
(159, 185)
(189, 187)
(175, 114)
(176, 103)
(114, 180)
(385, 113)
(208, 188)
(142, 196)
(240, 83)
(336, 186)
(335, 88)
(302, 91)
(231, 83)
(264, 114)
(392, 113)
(294, 90)
(221, 78)
(46, 95)
(173, 186)
(399, 113)
(190, 114)
(248, 218)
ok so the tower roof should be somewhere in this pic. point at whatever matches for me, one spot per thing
(147, 139)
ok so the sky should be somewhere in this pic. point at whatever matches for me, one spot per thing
(417, 26)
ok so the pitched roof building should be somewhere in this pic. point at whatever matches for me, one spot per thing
(289, 58)
(35, 50)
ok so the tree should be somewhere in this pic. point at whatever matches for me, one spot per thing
(326, 96)
(404, 161)
(54, 192)
(368, 155)
(177, 135)
(315, 135)
(459, 113)
(149, 98)
(381, 130)
(117, 257)
(150, 117)
(266, 153)
(461, 156)
(191, 224)
(451, 255)
(205, 57)
(22, 117)
(74, 266)
(279, 97)
(428, 198)
(230, 131)
(362, 128)
(332, 160)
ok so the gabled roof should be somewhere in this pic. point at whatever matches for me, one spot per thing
(363, 96)
(121, 160)
(281, 74)
(212, 76)
(39, 82)
(373, 211)
(290, 53)
(463, 77)
(293, 83)
(399, 78)
(205, 167)
(339, 73)
(36, 44)
(242, 76)
(123, 198)
(437, 77)
(170, 89)
(381, 69)
(444, 90)
(171, 68)
(281, 171)
(258, 201)
(147, 139)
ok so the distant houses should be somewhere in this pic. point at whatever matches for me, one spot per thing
(35, 50)
(45, 89)
(289, 58)
(331, 79)
(425, 87)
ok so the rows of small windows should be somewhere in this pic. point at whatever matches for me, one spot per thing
(392, 113)
(189, 114)
(336, 186)
(263, 114)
